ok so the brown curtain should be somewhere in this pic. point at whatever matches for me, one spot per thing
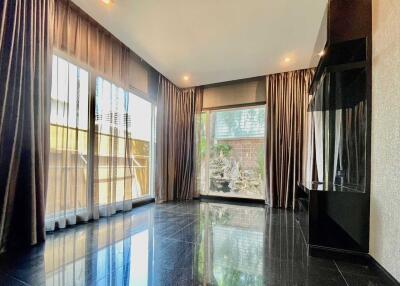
(175, 167)
(25, 76)
(82, 38)
(286, 108)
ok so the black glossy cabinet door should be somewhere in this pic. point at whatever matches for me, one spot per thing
(337, 221)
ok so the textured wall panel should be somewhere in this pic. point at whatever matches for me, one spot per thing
(385, 165)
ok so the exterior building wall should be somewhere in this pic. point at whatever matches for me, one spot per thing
(246, 151)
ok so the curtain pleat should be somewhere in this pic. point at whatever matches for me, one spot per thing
(114, 177)
(26, 30)
(82, 38)
(176, 141)
(286, 108)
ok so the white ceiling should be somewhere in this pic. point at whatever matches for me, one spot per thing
(214, 40)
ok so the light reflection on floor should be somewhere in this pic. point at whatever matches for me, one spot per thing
(177, 244)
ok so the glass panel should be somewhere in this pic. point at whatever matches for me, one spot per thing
(123, 136)
(110, 149)
(67, 181)
(141, 130)
(232, 150)
(340, 119)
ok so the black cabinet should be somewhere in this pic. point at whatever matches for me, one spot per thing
(334, 210)
(333, 219)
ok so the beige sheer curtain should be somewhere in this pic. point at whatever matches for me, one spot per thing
(25, 81)
(116, 173)
(176, 141)
(67, 196)
(286, 122)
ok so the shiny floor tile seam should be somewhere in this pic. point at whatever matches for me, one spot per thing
(341, 274)
(167, 205)
(302, 234)
(171, 235)
(176, 213)
(370, 273)
(179, 213)
(180, 240)
(9, 275)
(194, 218)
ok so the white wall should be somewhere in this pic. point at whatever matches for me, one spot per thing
(385, 165)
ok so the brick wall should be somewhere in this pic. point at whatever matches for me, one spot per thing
(246, 151)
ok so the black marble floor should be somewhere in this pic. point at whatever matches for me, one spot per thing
(182, 244)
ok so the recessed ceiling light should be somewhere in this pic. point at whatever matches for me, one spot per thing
(287, 60)
(321, 53)
(186, 78)
(106, 1)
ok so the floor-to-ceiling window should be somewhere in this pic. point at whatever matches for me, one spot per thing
(101, 158)
(232, 151)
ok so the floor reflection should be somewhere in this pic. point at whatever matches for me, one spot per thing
(114, 251)
(176, 244)
(233, 244)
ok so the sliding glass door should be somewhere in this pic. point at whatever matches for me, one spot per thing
(232, 153)
(101, 157)
(123, 140)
